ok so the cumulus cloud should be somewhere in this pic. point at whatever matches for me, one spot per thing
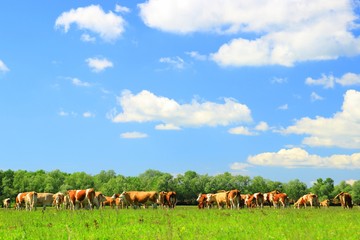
(262, 126)
(133, 135)
(108, 26)
(87, 38)
(286, 31)
(3, 67)
(340, 130)
(239, 166)
(241, 131)
(328, 81)
(79, 83)
(197, 56)
(147, 107)
(98, 64)
(297, 157)
(121, 9)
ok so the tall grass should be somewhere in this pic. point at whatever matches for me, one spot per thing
(182, 223)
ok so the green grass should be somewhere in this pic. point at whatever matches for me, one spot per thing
(182, 223)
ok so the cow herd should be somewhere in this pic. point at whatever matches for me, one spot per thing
(234, 200)
(90, 199)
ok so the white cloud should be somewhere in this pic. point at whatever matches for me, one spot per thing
(79, 83)
(241, 131)
(283, 107)
(328, 81)
(288, 31)
(341, 130)
(240, 166)
(262, 126)
(315, 97)
(92, 18)
(3, 67)
(167, 127)
(147, 107)
(278, 80)
(297, 157)
(98, 64)
(175, 62)
(197, 55)
(133, 135)
(351, 181)
(121, 9)
(87, 38)
(88, 114)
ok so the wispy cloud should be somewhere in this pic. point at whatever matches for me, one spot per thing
(315, 97)
(133, 135)
(175, 62)
(283, 107)
(329, 81)
(3, 67)
(77, 82)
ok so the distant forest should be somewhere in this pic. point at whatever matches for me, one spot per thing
(187, 185)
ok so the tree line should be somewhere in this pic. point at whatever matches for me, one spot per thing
(187, 185)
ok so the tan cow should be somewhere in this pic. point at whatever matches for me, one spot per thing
(300, 202)
(345, 199)
(20, 200)
(44, 199)
(234, 199)
(30, 201)
(67, 202)
(167, 199)
(58, 200)
(109, 202)
(325, 203)
(312, 199)
(138, 198)
(221, 199)
(80, 197)
(6, 203)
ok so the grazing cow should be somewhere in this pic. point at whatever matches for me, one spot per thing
(99, 199)
(221, 199)
(255, 200)
(67, 202)
(167, 199)
(119, 202)
(20, 200)
(345, 199)
(234, 199)
(279, 198)
(108, 202)
(201, 199)
(136, 198)
(325, 203)
(312, 199)
(58, 200)
(162, 199)
(30, 201)
(44, 199)
(6, 203)
(300, 202)
(79, 197)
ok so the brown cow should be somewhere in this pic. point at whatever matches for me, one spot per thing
(108, 202)
(300, 202)
(277, 198)
(345, 199)
(201, 199)
(44, 199)
(221, 199)
(167, 199)
(138, 198)
(79, 197)
(58, 200)
(234, 199)
(20, 200)
(99, 199)
(255, 200)
(30, 201)
(6, 203)
(312, 199)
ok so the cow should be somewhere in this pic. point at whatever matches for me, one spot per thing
(268, 197)
(234, 199)
(136, 198)
(242, 200)
(58, 200)
(201, 199)
(44, 199)
(310, 198)
(220, 198)
(325, 203)
(20, 200)
(300, 202)
(345, 199)
(99, 199)
(30, 201)
(167, 199)
(6, 203)
(80, 197)
(279, 198)
(67, 202)
(162, 199)
(109, 202)
(255, 200)
(119, 202)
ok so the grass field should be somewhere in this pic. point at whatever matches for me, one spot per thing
(182, 223)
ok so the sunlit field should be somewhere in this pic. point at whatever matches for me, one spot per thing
(182, 223)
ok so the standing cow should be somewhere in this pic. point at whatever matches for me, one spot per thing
(138, 198)
(44, 199)
(58, 200)
(6, 203)
(201, 199)
(80, 197)
(30, 201)
(234, 199)
(20, 200)
(220, 198)
(345, 199)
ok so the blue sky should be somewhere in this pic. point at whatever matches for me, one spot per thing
(258, 88)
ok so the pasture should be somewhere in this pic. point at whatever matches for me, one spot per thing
(184, 222)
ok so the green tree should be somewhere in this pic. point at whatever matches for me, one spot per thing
(323, 189)
(356, 192)
(295, 189)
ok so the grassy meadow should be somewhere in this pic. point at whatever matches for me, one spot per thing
(182, 223)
